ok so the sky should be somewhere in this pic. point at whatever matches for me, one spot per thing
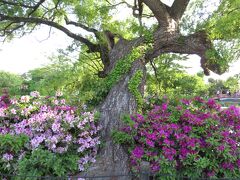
(32, 51)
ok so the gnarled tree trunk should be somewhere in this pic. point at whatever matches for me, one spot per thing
(113, 159)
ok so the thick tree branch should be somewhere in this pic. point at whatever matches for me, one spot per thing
(92, 47)
(197, 43)
(178, 8)
(159, 10)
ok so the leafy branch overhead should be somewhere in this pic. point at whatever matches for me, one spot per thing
(101, 28)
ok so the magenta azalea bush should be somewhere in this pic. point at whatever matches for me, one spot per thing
(50, 125)
(195, 139)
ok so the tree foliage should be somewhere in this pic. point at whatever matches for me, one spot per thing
(232, 85)
(99, 23)
(11, 81)
(225, 21)
(167, 77)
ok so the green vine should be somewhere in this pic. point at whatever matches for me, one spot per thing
(133, 86)
(136, 79)
(122, 67)
(121, 137)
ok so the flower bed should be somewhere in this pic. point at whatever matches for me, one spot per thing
(194, 139)
(45, 136)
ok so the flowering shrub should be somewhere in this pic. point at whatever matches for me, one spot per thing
(11, 148)
(42, 162)
(195, 139)
(51, 125)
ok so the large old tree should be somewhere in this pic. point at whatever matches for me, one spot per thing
(153, 29)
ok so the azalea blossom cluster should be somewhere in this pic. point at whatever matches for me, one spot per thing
(195, 138)
(52, 125)
(4, 100)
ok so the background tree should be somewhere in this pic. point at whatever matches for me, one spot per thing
(11, 81)
(166, 77)
(215, 85)
(48, 79)
(78, 80)
(231, 84)
(125, 47)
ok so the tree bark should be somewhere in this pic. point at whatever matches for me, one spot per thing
(112, 158)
